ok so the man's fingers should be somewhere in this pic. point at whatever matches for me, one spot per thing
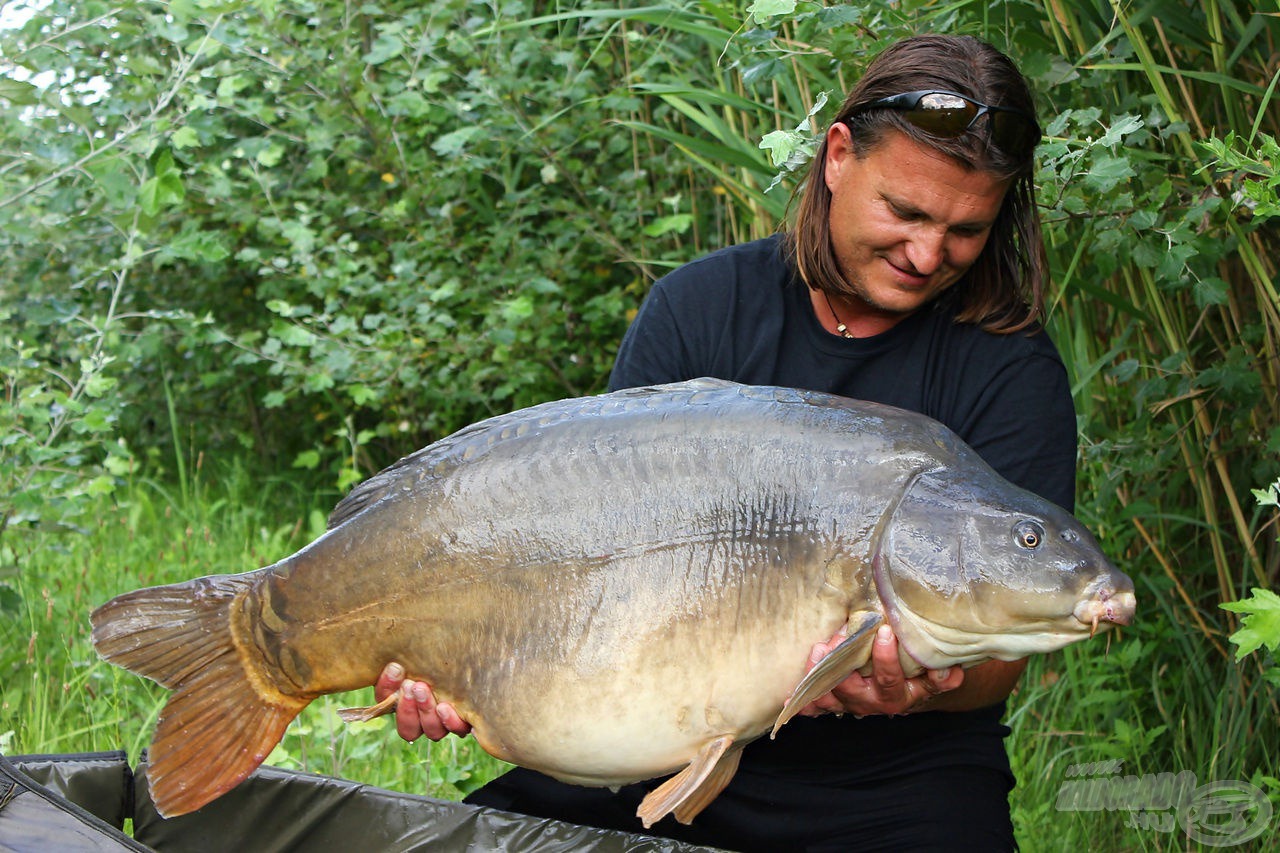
(884, 655)
(388, 682)
(938, 681)
(449, 717)
(408, 714)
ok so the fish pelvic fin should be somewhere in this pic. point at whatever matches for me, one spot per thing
(692, 789)
(363, 715)
(217, 726)
(851, 654)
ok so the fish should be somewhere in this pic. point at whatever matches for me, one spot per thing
(620, 587)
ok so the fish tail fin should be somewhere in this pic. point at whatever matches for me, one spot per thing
(218, 725)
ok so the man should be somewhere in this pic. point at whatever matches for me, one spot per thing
(913, 275)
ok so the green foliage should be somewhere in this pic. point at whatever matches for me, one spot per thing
(386, 231)
(317, 236)
(57, 696)
(1261, 623)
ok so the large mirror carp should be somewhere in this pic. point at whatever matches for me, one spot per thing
(618, 587)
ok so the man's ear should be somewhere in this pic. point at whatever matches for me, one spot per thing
(839, 151)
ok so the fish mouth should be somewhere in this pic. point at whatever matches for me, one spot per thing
(1109, 601)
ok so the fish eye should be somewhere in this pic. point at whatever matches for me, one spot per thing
(1028, 534)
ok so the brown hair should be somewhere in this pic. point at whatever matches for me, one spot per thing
(1004, 289)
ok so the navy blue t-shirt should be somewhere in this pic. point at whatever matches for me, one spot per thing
(741, 314)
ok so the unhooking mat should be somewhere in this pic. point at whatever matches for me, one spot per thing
(81, 803)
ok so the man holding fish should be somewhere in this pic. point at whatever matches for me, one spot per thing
(913, 274)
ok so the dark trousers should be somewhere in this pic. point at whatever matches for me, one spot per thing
(957, 808)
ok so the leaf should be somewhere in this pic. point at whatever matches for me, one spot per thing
(678, 223)
(308, 459)
(762, 10)
(291, 335)
(1260, 625)
(103, 484)
(454, 143)
(362, 394)
(384, 48)
(1211, 291)
(19, 93)
(164, 189)
(781, 144)
(1121, 128)
(271, 155)
(1107, 172)
(185, 137)
(10, 602)
(114, 177)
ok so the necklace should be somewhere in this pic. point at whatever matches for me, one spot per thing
(840, 327)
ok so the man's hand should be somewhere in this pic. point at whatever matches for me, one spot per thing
(886, 690)
(417, 712)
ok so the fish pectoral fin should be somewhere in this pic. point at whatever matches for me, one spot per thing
(360, 715)
(692, 789)
(851, 654)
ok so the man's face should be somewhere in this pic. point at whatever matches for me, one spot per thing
(906, 223)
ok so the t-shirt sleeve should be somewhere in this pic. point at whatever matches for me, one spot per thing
(1024, 426)
(652, 351)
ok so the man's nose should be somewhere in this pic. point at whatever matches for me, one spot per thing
(927, 249)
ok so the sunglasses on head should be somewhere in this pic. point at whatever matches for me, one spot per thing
(948, 114)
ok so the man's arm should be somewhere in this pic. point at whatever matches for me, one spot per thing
(887, 690)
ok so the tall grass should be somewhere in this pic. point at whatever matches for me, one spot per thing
(56, 696)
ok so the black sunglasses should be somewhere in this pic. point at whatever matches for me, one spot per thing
(948, 114)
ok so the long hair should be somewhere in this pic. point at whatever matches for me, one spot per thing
(1004, 290)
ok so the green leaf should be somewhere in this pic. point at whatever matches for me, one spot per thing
(116, 180)
(164, 189)
(678, 223)
(1261, 624)
(309, 459)
(19, 93)
(781, 144)
(362, 394)
(454, 143)
(1211, 291)
(292, 335)
(1107, 172)
(384, 48)
(185, 137)
(10, 600)
(520, 308)
(271, 155)
(103, 484)
(762, 10)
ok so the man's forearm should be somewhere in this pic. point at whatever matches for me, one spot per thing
(985, 684)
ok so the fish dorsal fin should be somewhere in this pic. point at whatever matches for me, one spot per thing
(692, 789)
(439, 458)
(372, 490)
(851, 654)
